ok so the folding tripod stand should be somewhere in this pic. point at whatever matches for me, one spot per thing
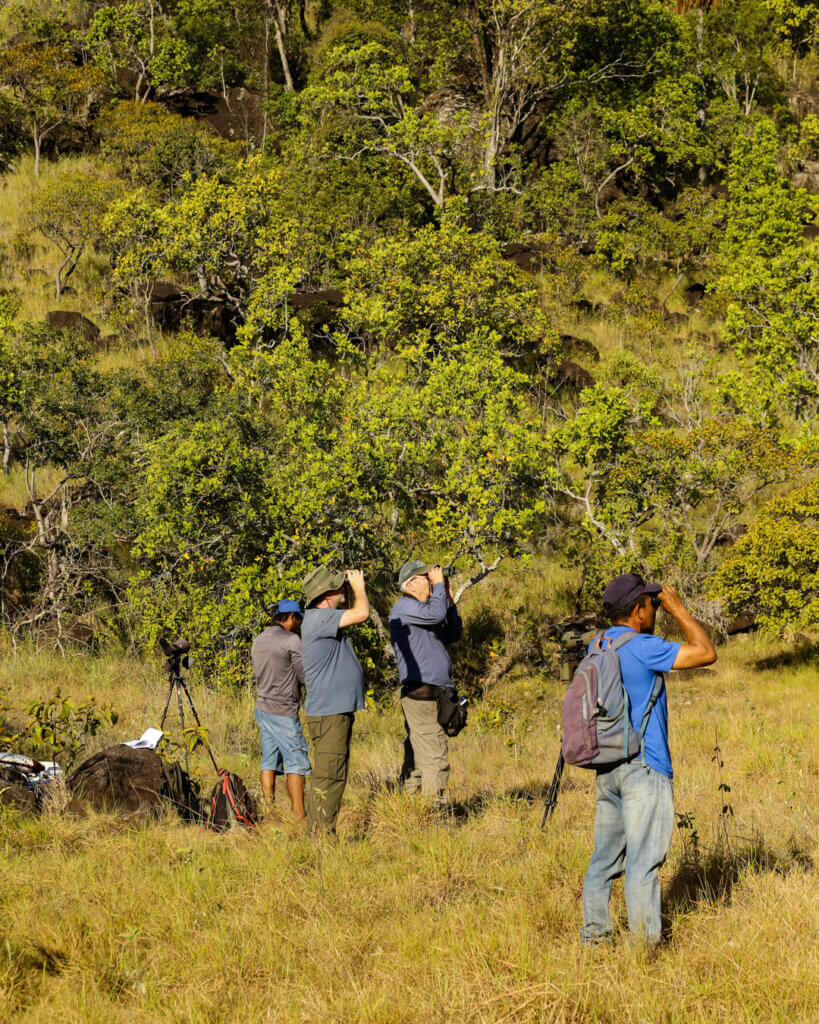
(177, 655)
(550, 800)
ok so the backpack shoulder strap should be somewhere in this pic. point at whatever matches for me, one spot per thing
(652, 700)
(621, 641)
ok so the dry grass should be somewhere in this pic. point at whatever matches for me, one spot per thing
(13, 489)
(28, 261)
(472, 917)
(28, 264)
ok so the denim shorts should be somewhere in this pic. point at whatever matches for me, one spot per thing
(284, 748)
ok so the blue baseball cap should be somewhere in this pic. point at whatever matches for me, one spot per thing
(286, 606)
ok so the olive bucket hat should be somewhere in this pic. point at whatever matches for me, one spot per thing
(410, 569)
(319, 582)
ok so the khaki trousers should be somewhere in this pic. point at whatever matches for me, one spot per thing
(330, 736)
(426, 749)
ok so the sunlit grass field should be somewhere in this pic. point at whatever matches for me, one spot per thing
(470, 916)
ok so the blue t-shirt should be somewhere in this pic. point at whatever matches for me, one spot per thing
(641, 660)
(333, 677)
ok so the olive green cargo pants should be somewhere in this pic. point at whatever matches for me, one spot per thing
(330, 736)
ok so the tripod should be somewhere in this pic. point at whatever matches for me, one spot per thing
(173, 666)
(550, 799)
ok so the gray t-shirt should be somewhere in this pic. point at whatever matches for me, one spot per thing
(333, 675)
(277, 665)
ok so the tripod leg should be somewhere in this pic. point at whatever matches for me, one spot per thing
(551, 796)
(179, 685)
(198, 723)
(167, 705)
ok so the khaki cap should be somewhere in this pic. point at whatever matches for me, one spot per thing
(319, 582)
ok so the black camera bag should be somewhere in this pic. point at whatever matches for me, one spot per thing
(451, 713)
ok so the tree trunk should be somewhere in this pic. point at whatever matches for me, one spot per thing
(6, 447)
(146, 306)
(280, 25)
(265, 73)
(490, 152)
(67, 267)
(37, 145)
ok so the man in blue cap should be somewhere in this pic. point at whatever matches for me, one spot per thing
(277, 665)
(635, 799)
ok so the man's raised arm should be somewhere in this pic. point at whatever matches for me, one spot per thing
(697, 649)
(360, 610)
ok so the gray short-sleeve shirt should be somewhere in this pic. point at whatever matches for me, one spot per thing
(276, 657)
(334, 679)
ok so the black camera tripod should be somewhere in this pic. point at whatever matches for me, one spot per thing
(176, 652)
(550, 800)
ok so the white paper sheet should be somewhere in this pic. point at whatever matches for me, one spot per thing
(148, 739)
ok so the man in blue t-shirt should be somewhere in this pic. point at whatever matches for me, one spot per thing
(334, 684)
(635, 800)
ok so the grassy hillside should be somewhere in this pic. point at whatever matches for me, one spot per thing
(471, 916)
(530, 290)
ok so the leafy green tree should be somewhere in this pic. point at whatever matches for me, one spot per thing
(228, 237)
(770, 276)
(797, 24)
(155, 148)
(235, 508)
(737, 39)
(437, 287)
(68, 210)
(138, 39)
(49, 89)
(774, 569)
(55, 417)
(461, 452)
(654, 136)
(367, 90)
(133, 233)
(654, 479)
(299, 464)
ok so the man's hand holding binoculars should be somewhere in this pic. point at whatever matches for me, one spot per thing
(355, 577)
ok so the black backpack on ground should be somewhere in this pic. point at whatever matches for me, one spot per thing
(231, 806)
(182, 791)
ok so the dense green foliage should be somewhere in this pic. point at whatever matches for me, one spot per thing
(359, 266)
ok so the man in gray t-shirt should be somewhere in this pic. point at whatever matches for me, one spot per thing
(334, 682)
(277, 665)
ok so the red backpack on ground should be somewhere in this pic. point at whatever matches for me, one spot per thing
(231, 806)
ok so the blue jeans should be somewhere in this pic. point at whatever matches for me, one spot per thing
(632, 835)
(284, 748)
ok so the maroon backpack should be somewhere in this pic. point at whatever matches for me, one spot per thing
(597, 729)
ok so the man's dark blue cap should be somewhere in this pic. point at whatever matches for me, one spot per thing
(286, 606)
(623, 591)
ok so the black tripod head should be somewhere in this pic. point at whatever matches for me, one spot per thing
(176, 653)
